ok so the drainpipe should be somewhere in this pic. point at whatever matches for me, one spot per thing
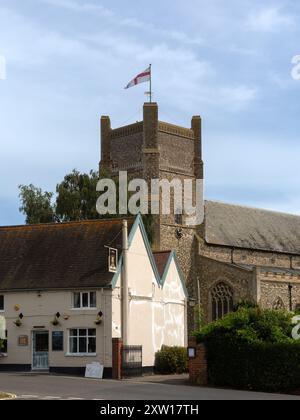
(125, 293)
(291, 297)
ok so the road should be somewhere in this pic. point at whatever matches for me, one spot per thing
(30, 386)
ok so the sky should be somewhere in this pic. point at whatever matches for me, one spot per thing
(67, 62)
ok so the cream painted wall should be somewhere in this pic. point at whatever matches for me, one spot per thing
(157, 316)
(40, 311)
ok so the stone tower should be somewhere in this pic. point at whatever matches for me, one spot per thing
(152, 149)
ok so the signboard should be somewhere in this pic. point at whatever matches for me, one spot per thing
(113, 260)
(2, 328)
(94, 371)
(23, 341)
(192, 353)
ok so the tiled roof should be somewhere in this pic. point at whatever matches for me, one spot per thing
(161, 260)
(58, 256)
(250, 228)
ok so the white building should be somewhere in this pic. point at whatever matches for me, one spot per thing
(63, 306)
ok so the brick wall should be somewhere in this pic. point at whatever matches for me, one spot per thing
(198, 366)
(117, 345)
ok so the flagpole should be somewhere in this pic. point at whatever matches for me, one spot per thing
(150, 83)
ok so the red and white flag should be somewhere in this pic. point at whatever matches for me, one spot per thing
(143, 77)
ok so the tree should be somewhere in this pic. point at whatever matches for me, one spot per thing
(36, 204)
(77, 196)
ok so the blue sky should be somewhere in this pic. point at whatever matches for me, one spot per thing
(230, 61)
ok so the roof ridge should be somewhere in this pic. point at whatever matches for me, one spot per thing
(65, 224)
(253, 208)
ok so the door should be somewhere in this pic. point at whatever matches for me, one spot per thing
(40, 350)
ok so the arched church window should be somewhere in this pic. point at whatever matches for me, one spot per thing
(278, 305)
(222, 301)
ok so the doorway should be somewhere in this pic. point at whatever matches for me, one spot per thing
(40, 350)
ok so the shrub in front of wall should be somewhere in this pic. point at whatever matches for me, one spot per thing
(171, 360)
(252, 349)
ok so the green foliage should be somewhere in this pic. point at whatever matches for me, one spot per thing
(77, 196)
(252, 349)
(171, 360)
(36, 204)
(246, 304)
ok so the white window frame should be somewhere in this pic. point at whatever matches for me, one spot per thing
(83, 308)
(87, 336)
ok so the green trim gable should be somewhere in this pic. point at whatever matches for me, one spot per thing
(173, 256)
(138, 224)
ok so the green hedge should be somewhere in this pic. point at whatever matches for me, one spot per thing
(253, 349)
(171, 360)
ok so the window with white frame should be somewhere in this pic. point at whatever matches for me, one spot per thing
(1, 303)
(84, 300)
(82, 341)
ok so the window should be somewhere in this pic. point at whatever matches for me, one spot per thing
(3, 348)
(222, 301)
(1, 303)
(84, 300)
(82, 341)
(57, 341)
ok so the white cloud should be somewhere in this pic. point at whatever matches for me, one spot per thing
(119, 21)
(74, 6)
(269, 20)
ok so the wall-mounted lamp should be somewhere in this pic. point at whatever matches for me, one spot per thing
(99, 318)
(18, 322)
(55, 322)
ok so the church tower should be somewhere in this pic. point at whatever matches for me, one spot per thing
(153, 149)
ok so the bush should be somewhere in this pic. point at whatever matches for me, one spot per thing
(252, 349)
(171, 360)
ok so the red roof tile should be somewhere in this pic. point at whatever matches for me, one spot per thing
(161, 259)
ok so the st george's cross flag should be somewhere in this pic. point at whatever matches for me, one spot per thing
(143, 77)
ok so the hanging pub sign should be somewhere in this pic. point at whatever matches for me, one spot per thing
(112, 260)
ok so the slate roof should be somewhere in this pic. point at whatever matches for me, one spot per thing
(58, 256)
(250, 228)
(161, 259)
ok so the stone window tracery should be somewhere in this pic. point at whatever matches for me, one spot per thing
(222, 300)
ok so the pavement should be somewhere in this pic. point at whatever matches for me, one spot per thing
(35, 386)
